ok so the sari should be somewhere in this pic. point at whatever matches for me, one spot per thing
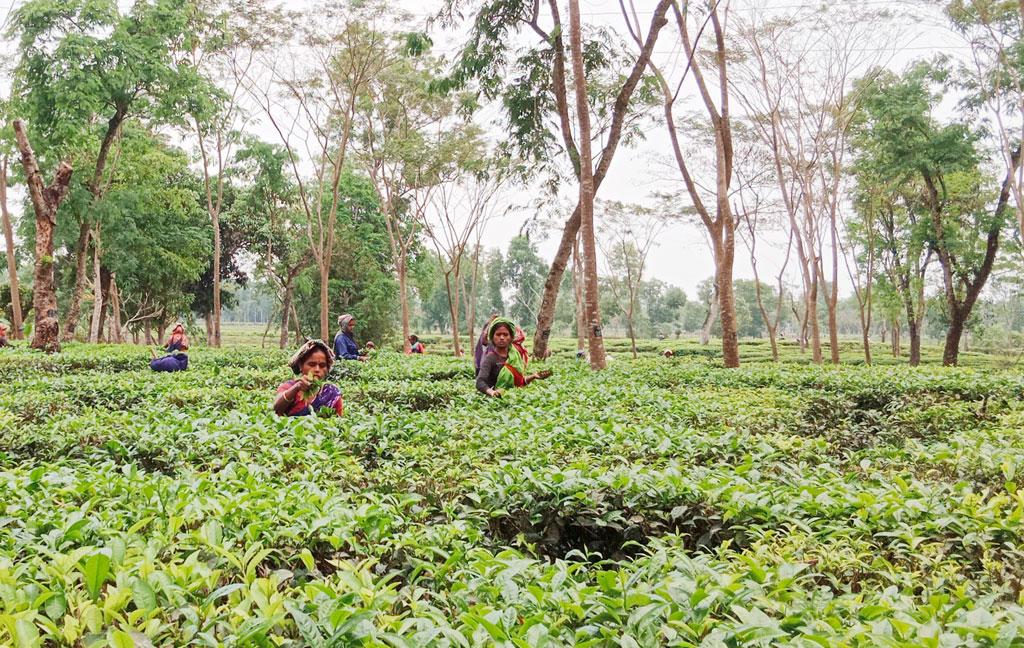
(329, 396)
(513, 373)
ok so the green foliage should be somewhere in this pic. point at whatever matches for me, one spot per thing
(663, 501)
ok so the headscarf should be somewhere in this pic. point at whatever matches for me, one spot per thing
(513, 374)
(309, 347)
(343, 321)
(178, 336)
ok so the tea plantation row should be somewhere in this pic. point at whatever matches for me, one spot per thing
(661, 502)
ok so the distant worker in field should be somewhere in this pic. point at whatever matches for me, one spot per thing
(345, 345)
(177, 352)
(415, 346)
(504, 364)
(3, 335)
(309, 393)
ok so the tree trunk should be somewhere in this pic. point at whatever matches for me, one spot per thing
(97, 289)
(712, 316)
(833, 301)
(866, 337)
(471, 311)
(115, 312)
(17, 325)
(951, 351)
(587, 191)
(453, 312)
(298, 325)
(215, 337)
(286, 311)
(208, 324)
(577, 284)
(403, 298)
(812, 313)
(325, 277)
(726, 300)
(147, 332)
(915, 342)
(105, 291)
(45, 201)
(74, 313)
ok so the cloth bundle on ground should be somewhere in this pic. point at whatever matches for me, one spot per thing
(328, 396)
(177, 356)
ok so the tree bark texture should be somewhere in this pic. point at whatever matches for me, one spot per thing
(45, 201)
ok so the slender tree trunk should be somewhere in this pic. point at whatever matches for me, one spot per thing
(587, 191)
(298, 325)
(471, 310)
(115, 312)
(581, 316)
(97, 289)
(12, 262)
(105, 291)
(147, 332)
(81, 281)
(812, 313)
(403, 297)
(453, 312)
(712, 316)
(208, 323)
(325, 277)
(833, 297)
(215, 219)
(45, 201)
(286, 311)
(866, 339)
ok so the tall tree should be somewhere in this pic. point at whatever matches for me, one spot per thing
(101, 66)
(12, 261)
(307, 81)
(537, 101)
(628, 233)
(937, 167)
(45, 201)
(411, 141)
(718, 220)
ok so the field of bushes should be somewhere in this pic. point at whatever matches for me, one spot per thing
(661, 502)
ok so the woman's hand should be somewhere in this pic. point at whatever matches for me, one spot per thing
(544, 375)
(301, 386)
(494, 393)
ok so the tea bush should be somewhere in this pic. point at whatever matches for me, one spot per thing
(661, 502)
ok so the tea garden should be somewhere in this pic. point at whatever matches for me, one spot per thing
(661, 502)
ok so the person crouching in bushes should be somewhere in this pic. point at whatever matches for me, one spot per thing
(177, 352)
(415, 346)
(345, 345)
(3, 335)
(504, 365)
(309, 393)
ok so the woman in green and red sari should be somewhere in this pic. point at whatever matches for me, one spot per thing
(504, 365)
